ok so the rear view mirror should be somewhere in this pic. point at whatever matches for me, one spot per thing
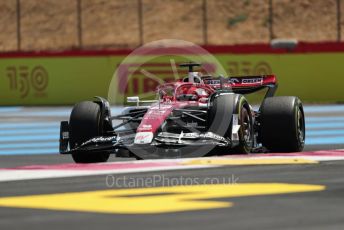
(134, 99)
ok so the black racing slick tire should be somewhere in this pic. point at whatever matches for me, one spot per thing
(282, 123)
(85, 123)
(221, 115)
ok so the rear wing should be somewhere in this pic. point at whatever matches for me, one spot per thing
(244, 84)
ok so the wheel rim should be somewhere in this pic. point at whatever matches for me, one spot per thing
(301, 127)
(246, 127)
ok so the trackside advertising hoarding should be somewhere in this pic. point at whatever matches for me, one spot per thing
(313, 72)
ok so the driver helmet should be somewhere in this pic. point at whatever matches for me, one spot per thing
(193, 77)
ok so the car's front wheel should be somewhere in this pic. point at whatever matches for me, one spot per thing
(227, 109)
(245, 132)
(86, 122)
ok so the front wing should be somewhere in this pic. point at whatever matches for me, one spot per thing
(162, 140)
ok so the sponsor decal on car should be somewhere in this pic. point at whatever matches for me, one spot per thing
(252, 81)
(145, 127)
(214, 136)
(100, 139)
(212, 82)
(143, 138)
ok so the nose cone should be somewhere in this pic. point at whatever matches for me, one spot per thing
(154, 118)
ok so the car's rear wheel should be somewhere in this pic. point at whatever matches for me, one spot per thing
(86, 122)
(282, 123)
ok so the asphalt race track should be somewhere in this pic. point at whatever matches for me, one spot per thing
(40, 189)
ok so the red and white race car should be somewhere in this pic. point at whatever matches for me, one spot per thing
(192, 117)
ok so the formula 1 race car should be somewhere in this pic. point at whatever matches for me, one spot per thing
(192, 117)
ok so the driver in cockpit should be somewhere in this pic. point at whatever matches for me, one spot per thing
(192, 93)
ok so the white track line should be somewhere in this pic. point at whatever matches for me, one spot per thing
(114, 168)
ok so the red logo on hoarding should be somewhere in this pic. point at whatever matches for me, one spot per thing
(137, 81)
